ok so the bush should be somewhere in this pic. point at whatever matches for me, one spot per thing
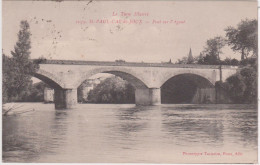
(112, 90)
(242, 87)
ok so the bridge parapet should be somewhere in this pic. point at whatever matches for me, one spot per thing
(134, 64)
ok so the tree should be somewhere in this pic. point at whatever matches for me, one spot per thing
(17, 70)
(36, 93)
(242, 86)
(236, 87)
(7, 75)
(229, 61)
(199, 59)
(212, 50)
(243, 38)
(249, 75)
(214, 46)
(184, 60)
(112, 90)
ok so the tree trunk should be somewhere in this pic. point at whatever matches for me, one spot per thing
(243, 54)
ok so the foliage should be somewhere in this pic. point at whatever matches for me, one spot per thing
(16, 70)
(8, 75)
(214, 46)
(184, 60)
(210, 54)
(236, 87)
(112, 90)
(249, 61)
(209, 60)
(242, 87)
(243, 38)
(212, 50)
(35, 93)
(39, 60)
(229, 61)
(120, 61)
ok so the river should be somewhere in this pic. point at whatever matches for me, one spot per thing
(101, 133)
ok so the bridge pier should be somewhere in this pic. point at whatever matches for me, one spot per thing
(65, 98)
(148, 96)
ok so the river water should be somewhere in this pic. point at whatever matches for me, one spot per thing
(126, 133)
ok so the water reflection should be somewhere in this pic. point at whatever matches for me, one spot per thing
(195, 131)
(212, 127)
(126, 133)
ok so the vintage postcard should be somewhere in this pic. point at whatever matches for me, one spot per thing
(117, 81)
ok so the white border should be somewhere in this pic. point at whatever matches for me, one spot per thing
(111, 163)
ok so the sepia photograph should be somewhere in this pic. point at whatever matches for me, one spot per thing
(120, 81)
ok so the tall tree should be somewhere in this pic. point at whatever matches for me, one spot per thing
(18, 68)
(212, 50)
(8, 74)
(214, 46)
(199, 59)
(243, 38)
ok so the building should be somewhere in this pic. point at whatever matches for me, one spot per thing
(190, 59)
(87, 86)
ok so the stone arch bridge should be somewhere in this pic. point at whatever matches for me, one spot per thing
(147, 78)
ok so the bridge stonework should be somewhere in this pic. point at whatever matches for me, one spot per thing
(147, 78)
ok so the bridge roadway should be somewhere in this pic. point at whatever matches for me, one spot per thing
(65, 76)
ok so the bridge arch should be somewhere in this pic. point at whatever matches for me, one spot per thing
(126, 74)
(199, 80)
(187, 88)
(210, 79)
(49, 79)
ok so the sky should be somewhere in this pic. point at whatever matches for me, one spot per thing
(63, 30)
